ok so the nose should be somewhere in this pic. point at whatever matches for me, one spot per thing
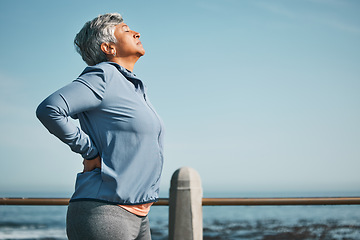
(136, 34)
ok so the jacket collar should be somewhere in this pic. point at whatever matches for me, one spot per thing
(130, 76)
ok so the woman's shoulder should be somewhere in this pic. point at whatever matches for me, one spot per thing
(101, 70)
(97, 77)
(103, 67)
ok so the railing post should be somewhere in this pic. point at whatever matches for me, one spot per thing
(185, 205)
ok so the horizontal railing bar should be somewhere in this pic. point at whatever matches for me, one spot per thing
(280, 201)
(34, 201)
(208, 201)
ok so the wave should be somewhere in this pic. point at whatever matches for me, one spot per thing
(278, 230)
(32, 234)
(22, 225)
(215, 230)
(219, 223)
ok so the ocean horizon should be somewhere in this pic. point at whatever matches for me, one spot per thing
(219, 222)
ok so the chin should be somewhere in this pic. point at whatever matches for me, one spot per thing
(142, 53)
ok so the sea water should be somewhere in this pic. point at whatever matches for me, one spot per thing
(220, 222)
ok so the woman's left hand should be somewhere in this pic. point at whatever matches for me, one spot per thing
(90, 165)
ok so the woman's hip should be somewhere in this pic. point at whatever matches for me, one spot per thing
(101, 221)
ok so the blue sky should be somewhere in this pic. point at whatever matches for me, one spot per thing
(258, 96)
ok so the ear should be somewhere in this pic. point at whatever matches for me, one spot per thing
(108, 48)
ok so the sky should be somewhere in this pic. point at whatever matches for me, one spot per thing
(256, 95)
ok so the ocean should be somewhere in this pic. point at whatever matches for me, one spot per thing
(340, 222)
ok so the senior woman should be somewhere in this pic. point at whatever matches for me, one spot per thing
(120, 138)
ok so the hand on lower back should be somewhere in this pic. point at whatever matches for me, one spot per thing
(90, 165)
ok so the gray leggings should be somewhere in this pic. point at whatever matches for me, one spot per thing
(89, 220)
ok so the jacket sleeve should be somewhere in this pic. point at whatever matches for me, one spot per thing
(83, 94)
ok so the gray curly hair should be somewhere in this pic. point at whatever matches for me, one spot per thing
(93, 34)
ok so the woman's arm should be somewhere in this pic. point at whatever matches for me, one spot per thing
(54, 113)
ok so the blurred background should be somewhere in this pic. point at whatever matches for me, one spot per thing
(257, 96)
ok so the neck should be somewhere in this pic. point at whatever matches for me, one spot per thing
(127, 63)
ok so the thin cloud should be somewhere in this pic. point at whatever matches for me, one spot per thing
(7, 82)
(277, 9)
(339, 25)
(329, 18)
(336, 3)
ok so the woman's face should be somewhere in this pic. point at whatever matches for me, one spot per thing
(128, 43)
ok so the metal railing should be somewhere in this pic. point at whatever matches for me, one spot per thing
(185, 203)
(208, 201)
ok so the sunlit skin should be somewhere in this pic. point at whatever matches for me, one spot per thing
(128, 48)
(125, 52)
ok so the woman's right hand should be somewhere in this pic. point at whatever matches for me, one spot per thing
(90, 165)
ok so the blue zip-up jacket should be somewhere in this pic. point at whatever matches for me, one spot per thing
(119, 124)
